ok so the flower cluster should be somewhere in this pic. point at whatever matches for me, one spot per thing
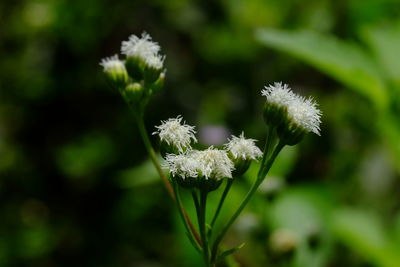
(141, 73)
(291, 114)
(207, 165)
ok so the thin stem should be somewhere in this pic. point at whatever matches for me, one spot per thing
(152, 153)
(221, 201)
(269, 144)
(261, 175)
(185, 222)
(157, 165)
(202, 226)
(196, 203)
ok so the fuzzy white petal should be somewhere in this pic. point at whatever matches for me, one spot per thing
(243, 148)
(214, 163)
(142, 47)
(175, 132)
(304, 113)
(278, 94)
(182, 165)
(112, 63)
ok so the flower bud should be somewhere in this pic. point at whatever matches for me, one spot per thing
(278, 97)
(187, 182)
(175, 135)
(133, 92)
(241, 152)
(240, 165)
(159, 84)
(208, 185)
(134, 66)
(115, 71)
(153, 67)
(303, 117)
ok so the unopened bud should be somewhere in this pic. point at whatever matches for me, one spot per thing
(133, 92)
(115, 71)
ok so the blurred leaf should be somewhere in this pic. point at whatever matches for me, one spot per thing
(141, 175)
(385, 43)
(87, 155)
(343, 61)
(364, 233)
(305, 211)
(35, 242)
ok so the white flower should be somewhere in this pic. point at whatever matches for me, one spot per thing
(278, 94)
(213, 163)
(174, 133)
(243, 148)
(142, 47)
(182, 165)
(155, 62)
(303, 112)
(113, 64)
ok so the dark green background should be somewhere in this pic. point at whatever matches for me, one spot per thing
(76, 188)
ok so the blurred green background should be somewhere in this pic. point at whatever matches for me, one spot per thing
(76, 186)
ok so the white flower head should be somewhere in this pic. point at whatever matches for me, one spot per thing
(113, 64)
(175, 132)
(213, 163)
(243, 148)
(182, 165)
(142, 47)
(278, 94)
(304, 113)
(155, 62)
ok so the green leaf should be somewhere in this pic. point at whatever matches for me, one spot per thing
(385, 43)
(229, 252)
(141, 175)
(365, 233)
(341, 60)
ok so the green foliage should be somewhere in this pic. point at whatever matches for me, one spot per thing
(344, 61)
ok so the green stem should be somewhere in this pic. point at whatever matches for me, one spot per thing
(143, 133)
(196, 203)
(269, 144)
(152, 153)
(260, 177)
(183, 217)
(202, 227)
(221, 201)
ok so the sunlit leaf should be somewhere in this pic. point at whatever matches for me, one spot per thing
(364, 233)
(343, 61)
(385, 43)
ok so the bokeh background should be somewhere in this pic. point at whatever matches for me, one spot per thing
(76, 186)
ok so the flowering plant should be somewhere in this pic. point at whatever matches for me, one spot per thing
(288, 118)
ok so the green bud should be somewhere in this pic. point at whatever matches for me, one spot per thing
(166, 148)
(208, 185)
(241, 165)
(290, 133)
(115, 71)
(135, 66)
(159, 84)
(188, 182)
(151, 74)
(274, 114)
(133, 92)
